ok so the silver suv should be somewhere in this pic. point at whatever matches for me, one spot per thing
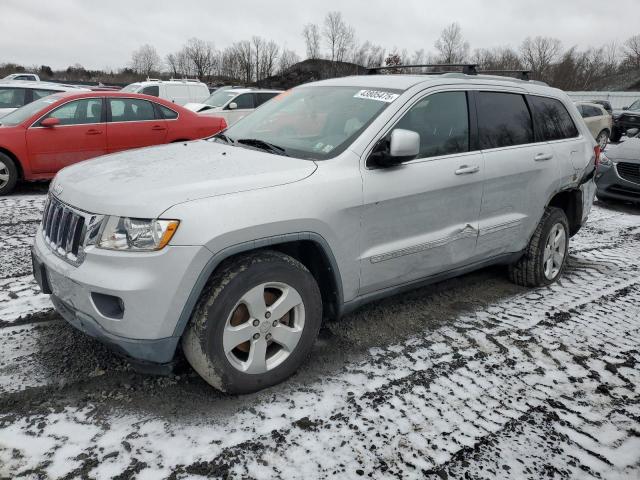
(333, 194)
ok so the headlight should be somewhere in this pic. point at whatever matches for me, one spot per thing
(136, 234)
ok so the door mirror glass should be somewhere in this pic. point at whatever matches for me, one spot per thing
(50, 122)
(232, 106)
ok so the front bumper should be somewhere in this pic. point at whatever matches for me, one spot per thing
(152, 288)
(611, 186)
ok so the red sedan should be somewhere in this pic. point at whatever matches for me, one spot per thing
(42, 137)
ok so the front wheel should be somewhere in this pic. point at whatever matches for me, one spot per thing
(255, 323)
(545, 257)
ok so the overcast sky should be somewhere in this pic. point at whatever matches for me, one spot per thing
(99, 34)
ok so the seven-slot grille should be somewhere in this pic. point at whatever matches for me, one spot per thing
(629, 171)
(63, 229)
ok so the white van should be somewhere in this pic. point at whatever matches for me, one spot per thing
(176, 91)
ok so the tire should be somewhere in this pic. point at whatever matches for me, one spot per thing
(603, 139)
(530, 270)
(8, 174)
(616, 134)
(232, 307)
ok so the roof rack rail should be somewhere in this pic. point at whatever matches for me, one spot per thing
(184, 80)
(467, 68)
(152, 80)
(523, 74)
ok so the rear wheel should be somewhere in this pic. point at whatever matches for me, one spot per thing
(8, 174)
(603, 139)
(616, 134)
(545, 256)
(255, 323)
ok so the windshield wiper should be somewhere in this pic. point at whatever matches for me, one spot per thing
(222, 136)
(262, 145)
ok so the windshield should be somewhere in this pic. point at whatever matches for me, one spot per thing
(133, 88)
(313, 122)
(635, 105)
(219, 98)
(21, 114)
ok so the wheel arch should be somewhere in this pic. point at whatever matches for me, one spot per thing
(309, 248)
(570, 201)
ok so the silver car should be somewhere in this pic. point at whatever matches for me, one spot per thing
(334, 194)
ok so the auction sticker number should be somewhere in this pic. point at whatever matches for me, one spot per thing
(378, 95)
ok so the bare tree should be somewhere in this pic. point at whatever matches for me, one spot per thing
(338, 35)
(539, 53)
(145, 60)
(632, 51)
(311, 34)
(257, 43)
(288, 58)
(451, 45)
(268, 59)
(203, 56)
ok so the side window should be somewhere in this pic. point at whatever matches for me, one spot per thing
(153, 90)
(552, 119)
(263, 97)
(594, 111)
(442, 120)
(79, 112)
(131, 110)
(12, 97)
(244, 101)
(38, 94)
(167, 113)
(503, 120)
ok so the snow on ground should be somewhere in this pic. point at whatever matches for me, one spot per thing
(516, 383)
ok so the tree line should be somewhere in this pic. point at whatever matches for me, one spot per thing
(335, 41)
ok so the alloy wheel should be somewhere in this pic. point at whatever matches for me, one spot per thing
(554, 251)
(264, 327)
(4, 174)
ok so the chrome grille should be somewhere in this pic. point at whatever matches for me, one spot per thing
(629, 171)
(67, 231)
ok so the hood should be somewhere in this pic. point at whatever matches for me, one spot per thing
(628, 151)
(198, 107)
(145, 182)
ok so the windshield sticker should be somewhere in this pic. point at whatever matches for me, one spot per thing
(377, 95)
(327, 148)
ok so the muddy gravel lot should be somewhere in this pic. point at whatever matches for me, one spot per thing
(470, 378)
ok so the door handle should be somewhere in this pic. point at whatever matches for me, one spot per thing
(543, 156)
(466, 169)
(158, 128)
(93, 131)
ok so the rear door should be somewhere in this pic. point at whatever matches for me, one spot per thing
(133, 123)
(520, 172)
(80, 135)
(421, 218)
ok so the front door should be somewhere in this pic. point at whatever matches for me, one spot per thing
(80, 135)
(421, 218)
(245, 104)
(133, 123)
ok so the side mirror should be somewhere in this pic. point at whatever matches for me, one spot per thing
(400, 146)
(50, 122)
(233, 106)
